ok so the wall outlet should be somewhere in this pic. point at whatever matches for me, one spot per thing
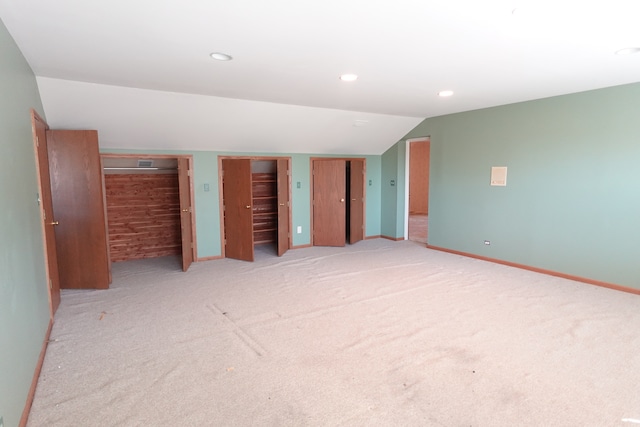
(206, 187)
(298, 230)
(487, 242)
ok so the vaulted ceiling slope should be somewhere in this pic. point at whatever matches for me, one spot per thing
(119, 54)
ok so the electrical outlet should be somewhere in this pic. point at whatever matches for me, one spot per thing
(299, 230)
(487, 242)
(206, 187)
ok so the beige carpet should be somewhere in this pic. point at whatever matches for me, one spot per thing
(379, 333)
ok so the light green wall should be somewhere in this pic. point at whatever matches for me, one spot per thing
(24, 300)
(393, 191)
(572, 203)
(207, 203)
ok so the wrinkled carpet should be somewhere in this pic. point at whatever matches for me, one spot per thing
(379, 333)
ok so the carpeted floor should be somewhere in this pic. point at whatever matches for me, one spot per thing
(379, 333)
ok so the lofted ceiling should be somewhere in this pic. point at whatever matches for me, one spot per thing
(139, 71)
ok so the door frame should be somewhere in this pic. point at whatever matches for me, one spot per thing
(221, 199)
(147, 156)
(364, 191)
(407, 158)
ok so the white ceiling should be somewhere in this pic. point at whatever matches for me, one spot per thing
(292, 52)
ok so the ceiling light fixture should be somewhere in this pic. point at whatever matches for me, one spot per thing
(349, 77)
(445, 93)
(218, 56)
(628, 51)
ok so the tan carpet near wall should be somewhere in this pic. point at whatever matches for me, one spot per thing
(379, 333)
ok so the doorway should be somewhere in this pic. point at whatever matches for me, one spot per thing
(337, 201)
(149, 207)
(255, 206)
(419, 152)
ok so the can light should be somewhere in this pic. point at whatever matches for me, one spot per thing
(349, 77)
(628, 51)
(219, 56)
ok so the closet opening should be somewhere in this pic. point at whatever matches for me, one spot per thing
(338, 201)
(149, 209)
(255, 206)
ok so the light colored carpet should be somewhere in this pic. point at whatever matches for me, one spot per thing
(379, 333)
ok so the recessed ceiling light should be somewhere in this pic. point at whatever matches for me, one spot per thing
(349, 77)
(445, 93)
(218, 56)
(628, 51)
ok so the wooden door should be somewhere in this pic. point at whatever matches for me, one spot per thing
(186, 212)
(78, 202)
(48, 217)
(238, 215)
(284, 222)
(356, 221)
(329, 192)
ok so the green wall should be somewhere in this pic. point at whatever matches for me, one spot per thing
(24, 300)
(572, 200)
(394, 191)
(207, 203)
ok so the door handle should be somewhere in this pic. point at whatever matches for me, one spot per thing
(341, 200)
(54, 223)
(185, 210)
(353, 200)
(281, 204)
(248, 207)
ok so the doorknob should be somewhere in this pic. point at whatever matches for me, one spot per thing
(54, 223)
(281, 204)
(353, 200)
(341, 200)
(185, 210)
(248, 207)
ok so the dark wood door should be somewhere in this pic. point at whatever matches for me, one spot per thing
(284, 228)
(238, 211)
(186, 212)
(329, 212)
(48, 217)
(356, 225)
(78, 202)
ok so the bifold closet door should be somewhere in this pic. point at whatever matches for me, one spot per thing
(238, 209)
(186, 213)
(77, 193)
(356, 182)
(283, 206)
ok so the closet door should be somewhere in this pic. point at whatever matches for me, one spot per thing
(356, 225)
(186, 212)
(238, 215)
(283, 206)
(78, 201)
(329, 212)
